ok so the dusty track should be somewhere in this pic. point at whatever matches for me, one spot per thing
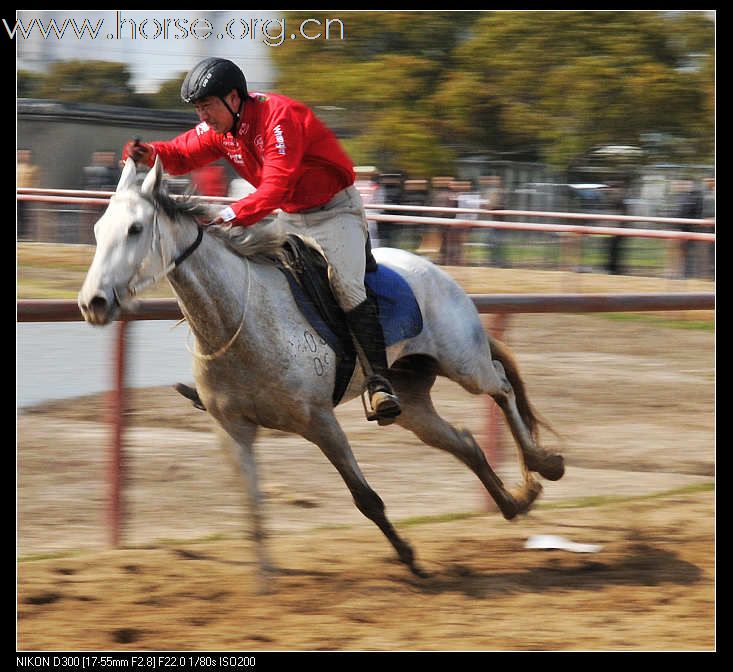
(634, 403)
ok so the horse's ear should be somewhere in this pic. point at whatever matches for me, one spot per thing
(152, 180)
(127, 178)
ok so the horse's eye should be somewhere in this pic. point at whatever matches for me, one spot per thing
(134, 229)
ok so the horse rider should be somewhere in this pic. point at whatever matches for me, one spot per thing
(297, 165)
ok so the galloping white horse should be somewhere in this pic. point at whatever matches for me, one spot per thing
(252, 369)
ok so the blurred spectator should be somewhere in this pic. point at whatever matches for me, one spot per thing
(708, 212)
(393, 184)
(210, 180)
(478, 237)
(491, 188)
(455, 236)
(367, 183)
(688, 205)
(441, 196)
(415, 193)
(617, 205)
(102, 174)
(28, 175)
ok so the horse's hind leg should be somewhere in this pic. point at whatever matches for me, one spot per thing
(498, 375)
(330, 438)
(413, 380)
(512, 399)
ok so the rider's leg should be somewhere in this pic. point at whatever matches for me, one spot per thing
(340, 228)
(367, 332)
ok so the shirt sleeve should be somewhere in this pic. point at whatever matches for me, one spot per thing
(189, 151)
(283, 152)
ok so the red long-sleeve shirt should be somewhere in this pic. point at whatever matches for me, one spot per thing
(281, 148)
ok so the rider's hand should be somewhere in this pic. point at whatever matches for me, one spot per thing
(225, 216)
(139, 152)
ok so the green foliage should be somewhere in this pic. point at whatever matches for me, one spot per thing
(168, 95)
(101, 82)
(417, 88)
(29, 84)
(414, 90)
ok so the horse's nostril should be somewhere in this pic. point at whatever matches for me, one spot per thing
(98, 304)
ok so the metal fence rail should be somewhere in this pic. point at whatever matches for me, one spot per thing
(66, 310)
(37, 193)
(572, 241)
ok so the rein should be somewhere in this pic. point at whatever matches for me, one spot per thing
(136, 289)
(230, 342)
(133, 290)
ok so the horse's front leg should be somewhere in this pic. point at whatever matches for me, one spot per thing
(242, 434)
(327, 434)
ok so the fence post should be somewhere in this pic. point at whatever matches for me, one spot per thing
(117, 407)
(492, 436)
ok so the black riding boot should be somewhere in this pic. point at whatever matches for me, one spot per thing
(367, 332)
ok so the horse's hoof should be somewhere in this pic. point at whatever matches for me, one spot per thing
(509, 508)
(191, 394)
(551, 467)
(420, 573)
(526, 495)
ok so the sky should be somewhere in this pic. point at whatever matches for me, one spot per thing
(157, 45)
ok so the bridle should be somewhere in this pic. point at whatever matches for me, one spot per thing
(134, 289)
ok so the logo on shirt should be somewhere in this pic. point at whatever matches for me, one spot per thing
(279, 139)
(235, 157)
(259, 143)
(202, 128)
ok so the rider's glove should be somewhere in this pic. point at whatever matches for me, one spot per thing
(224, 216)
(139, 152)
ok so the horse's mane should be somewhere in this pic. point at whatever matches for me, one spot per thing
(261, 242)
(183, 206)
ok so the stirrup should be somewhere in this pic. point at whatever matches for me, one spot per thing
(387, 409)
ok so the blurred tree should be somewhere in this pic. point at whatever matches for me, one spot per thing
(103, 82)
(415, 89)
(168, 95)
(381, 75)
(571, 80)
(29, 84)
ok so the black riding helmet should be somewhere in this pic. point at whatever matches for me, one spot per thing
(214, 77)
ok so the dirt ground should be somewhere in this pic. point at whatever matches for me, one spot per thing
(633, 401)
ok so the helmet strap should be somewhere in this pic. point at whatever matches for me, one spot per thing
(236, 115)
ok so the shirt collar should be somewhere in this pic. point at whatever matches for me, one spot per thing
(247, 118)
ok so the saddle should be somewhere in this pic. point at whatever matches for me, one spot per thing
(306, 270)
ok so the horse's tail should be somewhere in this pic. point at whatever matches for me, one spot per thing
(532, 419)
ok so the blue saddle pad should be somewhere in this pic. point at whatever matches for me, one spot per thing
(399, 313)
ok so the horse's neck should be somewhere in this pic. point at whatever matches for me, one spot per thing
(211, 285)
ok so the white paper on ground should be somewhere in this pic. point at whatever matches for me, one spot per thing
(553, 541)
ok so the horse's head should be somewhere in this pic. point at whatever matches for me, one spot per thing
(126, 246)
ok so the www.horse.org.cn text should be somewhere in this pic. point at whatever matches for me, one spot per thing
(272, 32)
